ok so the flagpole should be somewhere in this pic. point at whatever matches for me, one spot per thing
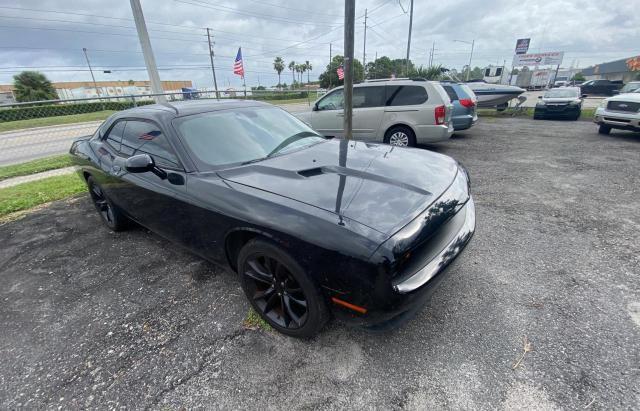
(244, 84)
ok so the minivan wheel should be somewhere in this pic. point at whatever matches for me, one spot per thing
(400, 136)
(280, 291)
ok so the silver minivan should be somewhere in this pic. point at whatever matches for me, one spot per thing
(400, 112)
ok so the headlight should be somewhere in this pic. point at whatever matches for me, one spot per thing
(603, 104)
(574, 103)
(453, 199)
(541, 103)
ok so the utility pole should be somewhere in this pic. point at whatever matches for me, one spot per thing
(91, 71)
(409, 39)
(213, 69)
(147, 52)
(433, 50)
(330, 66)
(349, 23)
(364, 49)
(470, 57)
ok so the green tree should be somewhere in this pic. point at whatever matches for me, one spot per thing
(278, 66)
(384, 67)
(330, 76)
(308, 67)
(428, 73)
(578, 77)
(33, 86)
(292, 67)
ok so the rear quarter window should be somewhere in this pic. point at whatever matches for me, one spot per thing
(406, 95)
(451, 92)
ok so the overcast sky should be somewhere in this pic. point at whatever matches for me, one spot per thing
(51, 34)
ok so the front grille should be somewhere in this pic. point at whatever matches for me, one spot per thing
(556, 107)
(627, 106)
(619, 120)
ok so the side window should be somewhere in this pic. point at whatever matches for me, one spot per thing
(406, 95)
(114, 138)
(145, 137)
(499, 71)
(451, 92)
(333, 101)
(368, 97)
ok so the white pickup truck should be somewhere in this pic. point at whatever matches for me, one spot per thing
(620, 112)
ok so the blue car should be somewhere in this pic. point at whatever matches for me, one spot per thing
(464, 101)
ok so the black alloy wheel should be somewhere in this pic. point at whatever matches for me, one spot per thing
(279, 290)
(110, 216)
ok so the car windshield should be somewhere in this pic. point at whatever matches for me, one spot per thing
(628, 88)
(243, 135)
(561, 93)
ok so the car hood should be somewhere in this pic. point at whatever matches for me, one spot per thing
(559, 100)
(380, 186)
(635, 97)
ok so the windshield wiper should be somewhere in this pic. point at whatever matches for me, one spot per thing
(289, 140)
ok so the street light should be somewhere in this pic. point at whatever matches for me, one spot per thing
(472, 42)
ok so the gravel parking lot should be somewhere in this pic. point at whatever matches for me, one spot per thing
(96, 319)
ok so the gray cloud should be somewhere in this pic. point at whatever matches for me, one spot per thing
(588, 31)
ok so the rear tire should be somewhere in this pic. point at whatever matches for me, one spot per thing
(604, 129)
(502, 107)
(280, 291)
(401, 136)
(110, 215)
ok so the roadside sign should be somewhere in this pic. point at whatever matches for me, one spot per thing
(522, 46)
(552, 58)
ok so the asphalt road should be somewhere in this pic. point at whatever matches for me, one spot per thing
(93, 319)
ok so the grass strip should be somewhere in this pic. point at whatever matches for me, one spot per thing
(31, 194)
(54, 121)
(35, 166)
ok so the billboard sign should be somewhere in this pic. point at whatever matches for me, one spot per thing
(552, 58)
(522, 46)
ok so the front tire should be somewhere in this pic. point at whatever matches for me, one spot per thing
(401, 136)
(280, 291)
(109, 214)
(604, 129)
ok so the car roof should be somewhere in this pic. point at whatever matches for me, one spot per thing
(186, 108)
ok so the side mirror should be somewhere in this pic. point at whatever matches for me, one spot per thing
(539, 96)
(315, 107)
(142, 163)
(584, 96)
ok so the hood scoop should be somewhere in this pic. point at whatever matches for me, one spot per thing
(350, 172)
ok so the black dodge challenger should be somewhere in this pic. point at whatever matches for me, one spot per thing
(314, 227)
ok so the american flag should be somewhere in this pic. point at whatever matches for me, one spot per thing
(340, 72)
(238, 68)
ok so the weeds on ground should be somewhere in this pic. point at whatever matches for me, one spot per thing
(253, 321)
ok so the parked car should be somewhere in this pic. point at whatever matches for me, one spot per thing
(313, 226)
(630, 87)
(620, 112)
(563, 102)
(464, 101)
(399, 112)
(600, 87)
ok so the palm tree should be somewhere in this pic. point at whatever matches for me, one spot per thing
(278, 66)
(308, 67)
(292, 67)
(33, 86)
(301, 69)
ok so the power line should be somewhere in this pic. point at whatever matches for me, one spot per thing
(126, 19)
(200, 3)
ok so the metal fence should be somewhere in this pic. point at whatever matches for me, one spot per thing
(35, 130)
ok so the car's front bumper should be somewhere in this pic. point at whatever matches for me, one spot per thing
(558, 111)
(410, 294)
(618, 120)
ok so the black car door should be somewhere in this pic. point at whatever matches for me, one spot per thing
(156, 203)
